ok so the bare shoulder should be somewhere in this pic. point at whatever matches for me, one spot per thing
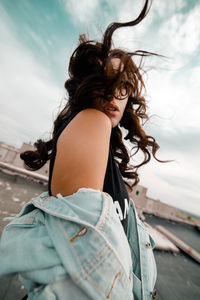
(88, 117)
(90, 124)
(82, 153)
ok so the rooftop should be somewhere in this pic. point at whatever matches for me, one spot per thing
(178, 273)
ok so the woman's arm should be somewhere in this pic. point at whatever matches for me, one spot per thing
(82, 153)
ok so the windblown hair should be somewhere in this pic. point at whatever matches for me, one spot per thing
(92, 83)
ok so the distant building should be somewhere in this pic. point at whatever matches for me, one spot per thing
(145, 204)
(148, 205)
(11, 155)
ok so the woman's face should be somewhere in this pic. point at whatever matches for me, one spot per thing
(115, 108)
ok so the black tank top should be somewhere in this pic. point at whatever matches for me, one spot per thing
(113, 181)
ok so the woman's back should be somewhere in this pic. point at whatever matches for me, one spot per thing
(82, 153)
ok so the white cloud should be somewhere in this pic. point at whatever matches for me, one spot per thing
(164, 9)
(132, 37)
(129, 11)
(175, 183)
(83, 11)
(38, 40)
(194, 79)
(182, 31)
(176, 102)
(93, 14)
(28, 94)
(175, 98)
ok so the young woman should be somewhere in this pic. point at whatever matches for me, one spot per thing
(83, 239)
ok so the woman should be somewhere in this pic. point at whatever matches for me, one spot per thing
(83, 239)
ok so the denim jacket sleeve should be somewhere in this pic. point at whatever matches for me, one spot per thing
(75, 247)
(70, 247)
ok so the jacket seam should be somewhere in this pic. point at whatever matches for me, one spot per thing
(104, 214)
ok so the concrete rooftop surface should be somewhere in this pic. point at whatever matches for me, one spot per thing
(178, 274)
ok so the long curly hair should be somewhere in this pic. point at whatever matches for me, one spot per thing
(92, 83)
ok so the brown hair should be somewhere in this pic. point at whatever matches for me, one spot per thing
(92, 83)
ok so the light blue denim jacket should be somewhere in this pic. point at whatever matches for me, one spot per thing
(74, 247)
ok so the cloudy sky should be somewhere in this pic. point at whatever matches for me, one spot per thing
(37, 38)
